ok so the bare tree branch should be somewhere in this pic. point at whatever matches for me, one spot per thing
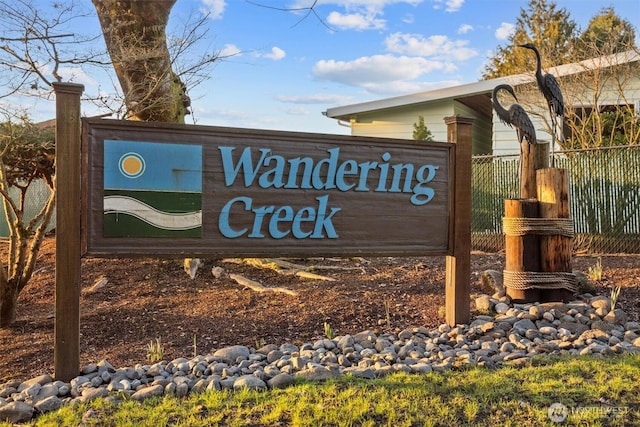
(310, 10)
(35, 46)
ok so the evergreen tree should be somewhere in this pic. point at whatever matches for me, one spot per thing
(606, 34)
(420, 131)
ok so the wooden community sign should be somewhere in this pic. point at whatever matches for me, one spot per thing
(176, 190)
(155, 189)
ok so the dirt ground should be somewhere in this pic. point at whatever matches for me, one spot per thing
(146, 298)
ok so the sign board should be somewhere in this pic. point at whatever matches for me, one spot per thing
(175, 190)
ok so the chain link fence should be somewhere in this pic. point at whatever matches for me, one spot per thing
(35, 199)
(604, 198)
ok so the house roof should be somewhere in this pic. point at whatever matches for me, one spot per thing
(479, 87)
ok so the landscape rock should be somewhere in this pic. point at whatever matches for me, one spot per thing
(617, 316)
(509, 334)
(147, 392)
(491, 282)
(250, 382)
(601, 302)
(318, 373)
(281, 381)
(39, 380)
(233, 353)
(16, 412)
(501, 308)
(48, 404)
(89, 394)
(484, 303)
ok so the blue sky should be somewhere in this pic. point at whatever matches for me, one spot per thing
(285, 69)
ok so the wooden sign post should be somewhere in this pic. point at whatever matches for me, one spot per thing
(68, 234)
(458, 265)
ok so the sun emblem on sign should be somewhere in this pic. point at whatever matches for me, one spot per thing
(131, 165)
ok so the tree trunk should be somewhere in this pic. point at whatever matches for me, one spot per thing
(8, 302)
(134, 32)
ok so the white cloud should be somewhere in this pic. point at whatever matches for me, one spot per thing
(76, 75)
(377, 69)
(454, 5)
(437, 46)
(320, 98)
(405, 87)
(357, 15)
(276, 54)
(449, 5)
(378, 4)
(70, 74)
(214, 8)
(409, 19)
(230, 50)
(355, 21)
(231, 117)
(297, 111)
(505, 31)
(464, 29)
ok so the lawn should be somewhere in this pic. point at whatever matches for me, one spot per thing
(550, 391)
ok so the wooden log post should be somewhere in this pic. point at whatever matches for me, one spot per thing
(458, 265)
(522, 252)
(68, 242)
(555, 250)
(541, 157)
(532, 158)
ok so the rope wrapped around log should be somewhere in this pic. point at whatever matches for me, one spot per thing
(513, 226)
(540, 280)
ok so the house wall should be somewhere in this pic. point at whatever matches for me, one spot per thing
(505, 139)
(481, 131)
(398, 122)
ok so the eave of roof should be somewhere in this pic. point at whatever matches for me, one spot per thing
(479, 87)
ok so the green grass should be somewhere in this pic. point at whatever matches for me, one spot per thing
(511, 396)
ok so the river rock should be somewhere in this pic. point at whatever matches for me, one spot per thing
(317, 373)
(281, 381)
(41, 380)
(250, 382)
(147, 392)
(484, 303)
(601, 302)
(491, 282)
(48, 404)
(233, 353)
(514, 335)
(16, 412)
(617, 316)
(89, 394)
(501, 308)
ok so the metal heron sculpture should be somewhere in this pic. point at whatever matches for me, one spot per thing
(515, 116)
(550, 88)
